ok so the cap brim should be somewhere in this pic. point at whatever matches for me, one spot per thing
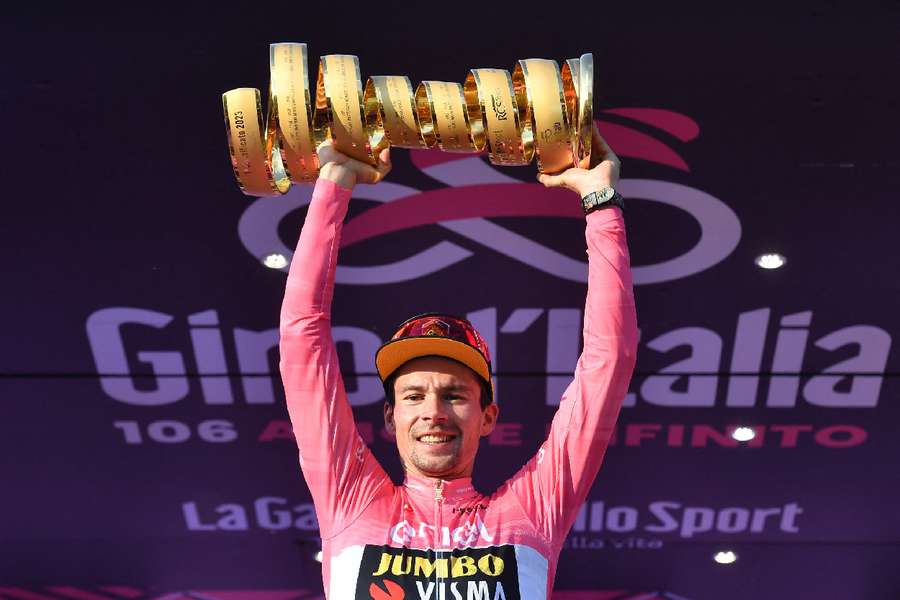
(395, 354)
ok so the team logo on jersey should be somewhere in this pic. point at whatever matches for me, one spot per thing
(388, 573)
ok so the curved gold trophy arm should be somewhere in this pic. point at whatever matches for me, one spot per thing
(537, 110)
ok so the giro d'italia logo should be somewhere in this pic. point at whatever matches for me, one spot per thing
(475, 191)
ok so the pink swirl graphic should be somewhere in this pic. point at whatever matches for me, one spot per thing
(681, 126)
(476, 191)
(448, 204)
(517, 200)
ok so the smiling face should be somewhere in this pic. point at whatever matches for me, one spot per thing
(437, 417)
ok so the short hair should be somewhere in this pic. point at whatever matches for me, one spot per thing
(486, 399)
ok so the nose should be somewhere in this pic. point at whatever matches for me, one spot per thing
(434, 410)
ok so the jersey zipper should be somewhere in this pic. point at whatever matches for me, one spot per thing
(438, 533)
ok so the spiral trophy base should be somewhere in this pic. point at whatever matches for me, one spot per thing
(537, 111)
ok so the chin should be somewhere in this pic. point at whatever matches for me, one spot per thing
(436, 468)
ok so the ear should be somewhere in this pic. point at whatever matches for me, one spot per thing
(389, 419)
(489, 418)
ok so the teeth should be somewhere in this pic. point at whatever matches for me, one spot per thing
(434, 438)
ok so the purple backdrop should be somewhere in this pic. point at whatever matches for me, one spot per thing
(145, 445)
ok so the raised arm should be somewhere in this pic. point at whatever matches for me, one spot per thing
(553, 485)
(341, 473)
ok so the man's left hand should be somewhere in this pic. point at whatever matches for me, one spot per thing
(604, 171)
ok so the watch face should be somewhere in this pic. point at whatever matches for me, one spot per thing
(598, 199)
(606, 194)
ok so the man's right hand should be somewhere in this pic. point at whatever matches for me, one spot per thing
(347, 172)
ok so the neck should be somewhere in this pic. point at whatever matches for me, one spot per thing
(464, 473)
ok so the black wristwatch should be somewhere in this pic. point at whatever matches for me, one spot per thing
(603, 199)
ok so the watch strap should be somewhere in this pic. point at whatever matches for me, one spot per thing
(605, 198)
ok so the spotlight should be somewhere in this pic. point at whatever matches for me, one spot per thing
(771, 260)
(275, 261)
(725, 558)
(318, 556)
(743, 434)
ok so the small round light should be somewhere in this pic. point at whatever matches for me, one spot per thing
(771, 260)
(275, 261)
(743, 434)
(318, 556)
(725, 558)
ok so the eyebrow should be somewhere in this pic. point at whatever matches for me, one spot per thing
(448, 388)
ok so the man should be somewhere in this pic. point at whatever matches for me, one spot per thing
(435, 537)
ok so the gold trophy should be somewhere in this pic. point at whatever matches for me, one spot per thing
(537, 110)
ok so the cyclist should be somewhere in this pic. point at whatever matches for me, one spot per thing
(434, 536)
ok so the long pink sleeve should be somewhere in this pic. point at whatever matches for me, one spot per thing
(341, 473)
(553, 485)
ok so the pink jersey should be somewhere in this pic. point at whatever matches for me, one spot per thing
(442, 540)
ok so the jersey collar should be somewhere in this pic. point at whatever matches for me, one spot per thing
(450, 488)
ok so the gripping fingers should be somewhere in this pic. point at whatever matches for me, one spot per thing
(328, 154)
(569, 179)
(600, 150)
(368, 174)
(384, 165)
